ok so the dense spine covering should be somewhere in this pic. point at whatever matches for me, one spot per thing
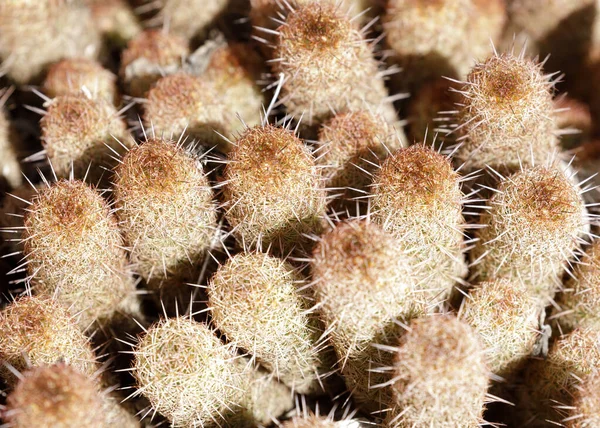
(362, 282)
(36, 34)
(167, 214)
(440, 375)
(417, 198)
(76, 75)
(506, 316)
(531, 229)
(74, 251)
(506, 115)
(255, 300)
(115, 19)
(181, 103)
(189, 19)
(36, 331)
(351, 145)
(81, 135)
(585, 411)
(327, 64)
(149, 56)
(273, 191)
(193, 379)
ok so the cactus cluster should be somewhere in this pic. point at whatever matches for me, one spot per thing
(211, 214)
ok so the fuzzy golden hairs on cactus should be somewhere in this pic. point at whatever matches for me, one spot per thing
(585, 412)
(35, 34)
(193, 379)
(417, 198)
(81, 136)
(72, 76)
(257, 303)
(60, 396)
(38, 330)
(115, 19)
(10, 170)
(167, 215)
(506, 317)
(273, 190)
(531, 229)
(350, 146)
(149, 56)
(426, 48)
(362, 282)
(439, 375)
(327, 64)
(549, 385)
(74, 251)
(181, 103)
(234, 69)
(579, 303)
(505, 118)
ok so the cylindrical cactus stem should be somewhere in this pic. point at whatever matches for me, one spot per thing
(75, 75)
(505, 118)
(579, 303)
(36, 34)
(182, 103)
(10, 170)
(59, 395)
(36, 331)
(410, 23)
(549, 385)
(193, 379)
(440, 375)
(507, 318)
(273, 190)
(189, 19)
(327, 65)
(362, 282)
(533, 226)
(417, 198)
(257, 302)
(585, 411)
(351, 146)
(116, 20)
(167, 215)
(81, 136)
(149, 56)
(74, 251)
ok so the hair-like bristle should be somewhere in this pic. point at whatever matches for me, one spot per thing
(35, 34)
(351, 146)
(409, 25)
(505, 116)
(181, 103)
(149, 56)
(533, 226)
(417, 198)
(549, 385)
(507, 317)
(81, 135)
(167, 215)
(327, 65)
(273, 190)
(362, 282)
(76, 75)
(585, 412)
(439, 375)
(257, 303)
(116, 20)
(36, 331)
(193, 379)
(74, 251)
